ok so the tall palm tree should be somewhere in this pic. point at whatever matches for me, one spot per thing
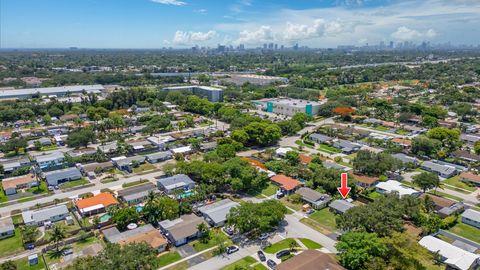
(57, 234)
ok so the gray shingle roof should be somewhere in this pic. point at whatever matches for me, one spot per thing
(54, 176)
(217, 212)
(6, 225)
(320, 137)
(341, 205)
(49, 157)
(472, 215)
(44, 214)
(438, 168)
(176, 181)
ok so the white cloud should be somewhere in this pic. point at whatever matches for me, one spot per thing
(262, 34)
(170, 2)
(404, 33)
(201, 11)
(186, 38)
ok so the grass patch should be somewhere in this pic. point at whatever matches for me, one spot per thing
(22, 264)
(455, 181)
(26, 199)
(301, 143)
(134, 183)
(284, 244)
(270, 190)
(75, 183)
(179, 266)
(466, 231)
(374, 195)
(309, 243)
(108, 180)
(41, 189)
(11, 245)
(3, 197)
(443, 194)
(82, 244)
(49, 147)
(240, 264)
(168, 258)
(328, 149)
(294, 206)
(315, 225)
(199, 246)
(144, 168)
(259, 266)
(325, 218)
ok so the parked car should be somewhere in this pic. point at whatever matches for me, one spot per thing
(282, 253)
(271, 264)
(56, 187)
(50, 188)
(232, 249)
(310, 211)
(229, 230)
(264, 236)
(68, 251)
(261, 256)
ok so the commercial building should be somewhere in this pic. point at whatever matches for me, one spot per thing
(211, 93)
(216, 213)
(144, 234)
(316, 199)
(46, 215)
(287, 106)
(454, 257)
(181, 230)
(57, 177)
(50, 91)
(96, 204)
(240, 79)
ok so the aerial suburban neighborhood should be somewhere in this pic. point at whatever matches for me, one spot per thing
(248, 153)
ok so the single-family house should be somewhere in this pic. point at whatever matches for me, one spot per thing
(395, 186)
(470, 178)
(136, 129)
(469, 139)
(181, 230)
(208, 146)
(442, 170)
(160, 141)
(108, 148)
(216, 213)
(95, 204)
(126, 164)
(333, 165)
(471, 217)
(340, 206)
(365, 181)
(405, 143)
(143, 234)
(443, 206)
(184, 150)
(7, 228)
(10, 185)
(287, 184)
(50, 161)
(159, 156)
(45, 215)
(43, 141)
(310, 259)
(453, 256)
(12, 164)
(320, 138)
(170, 184)
(137, 194)
(96, 167)
(54, 178)
(316, 199)
(466, 155)
(140, 145)
(305, 159)
(405, 159)
(347, 147)
(282, 151)
(82, 152)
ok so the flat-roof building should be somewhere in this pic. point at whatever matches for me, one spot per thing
(54, 178)
(41, 216)
(181, 230)
(50, 91)
(288, 106)
(211, 93)
(216, 213)
(454, 257)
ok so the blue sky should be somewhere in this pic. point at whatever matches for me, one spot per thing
(184, 23)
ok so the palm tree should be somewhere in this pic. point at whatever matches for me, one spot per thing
(57, 234)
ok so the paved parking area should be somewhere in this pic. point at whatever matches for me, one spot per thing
(186, 250)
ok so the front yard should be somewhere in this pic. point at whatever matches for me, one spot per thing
(214, 233)
(146, 167)
(455, 181)
(284, 244)
(22, 264)
(466, 231)
(240, 264)
(11, 245)
(310, 244)
(75, 183)
(328, 149)
(168, 258)
(325, 218)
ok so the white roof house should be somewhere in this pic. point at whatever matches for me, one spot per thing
(282, 151)
(395, 186)
(182, 150)
(452, 255)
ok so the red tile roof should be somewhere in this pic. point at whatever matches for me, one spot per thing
(105, 198)
(286, 182)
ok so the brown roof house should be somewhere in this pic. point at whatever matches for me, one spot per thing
(144, 234)
(470, 178)
(311, 260)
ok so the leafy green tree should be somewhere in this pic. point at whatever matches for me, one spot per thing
(80, 137)
(57, 234)
(422, 145)
(373, 164)
(426, 180)
(357, 248)
(205, 232)
(292, 157)
(161, 208)
(29, 233)
(14, 144)
(226, 151)
(476, 147)
(448, 137)
(8, 265)
(124, 216)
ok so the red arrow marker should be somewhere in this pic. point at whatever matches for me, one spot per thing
(344, 189)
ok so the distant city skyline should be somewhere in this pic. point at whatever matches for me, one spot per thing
(251, 23)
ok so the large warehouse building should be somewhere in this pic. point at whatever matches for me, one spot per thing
(211, 93)
(50, 91)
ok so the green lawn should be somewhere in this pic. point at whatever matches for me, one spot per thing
(75, 183)
(144, 168)
(381, 128)
(300, 143)
(455, 181)
(402, 132)
(22, 264)
(49, 147)
(82, 244)
(11, 245)
(328, 149)
(270, 190)
(168, 258)
(179, 266)
(3, 197)
(240, 264)
(134, 183)
(259, 266)
(442, 194)
(42, 188)
(325, 218)
(284, 244)
(198, 246)
(309, 243)
(294, 206)
(374, 195)
(466, 231)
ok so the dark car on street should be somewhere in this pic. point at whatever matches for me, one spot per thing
(261, 256)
